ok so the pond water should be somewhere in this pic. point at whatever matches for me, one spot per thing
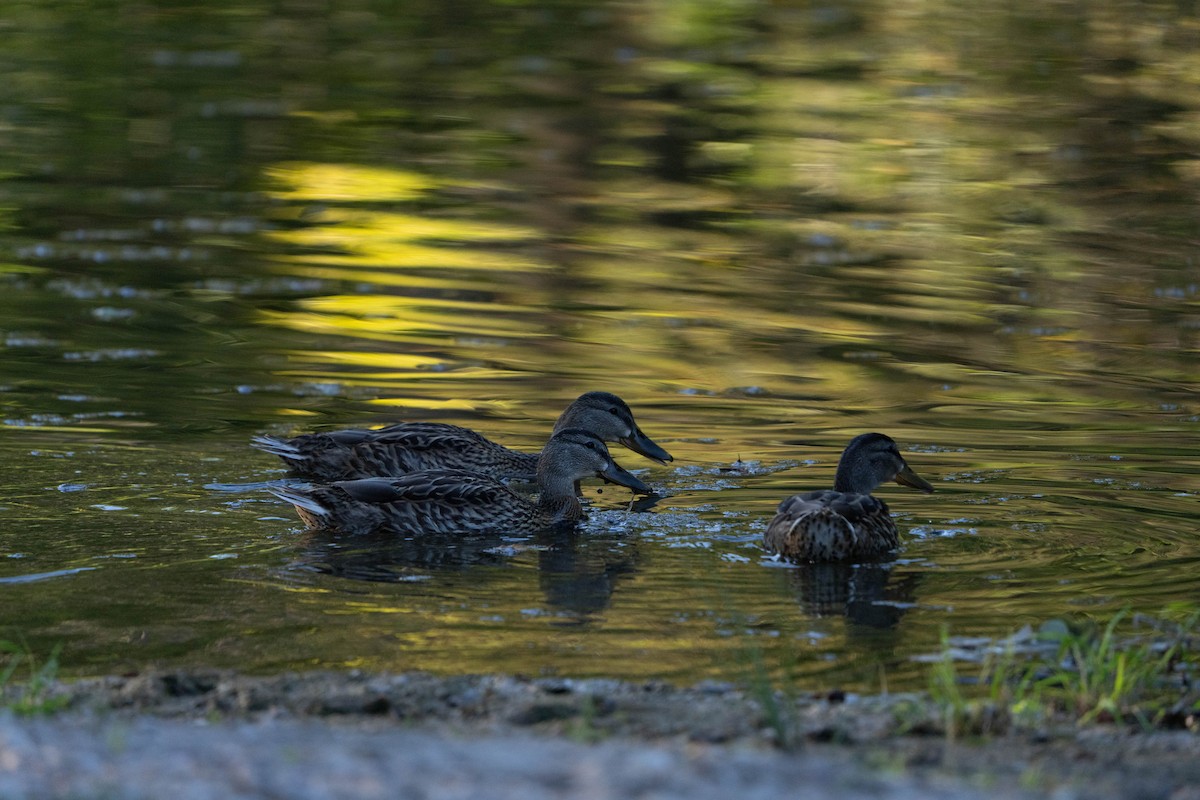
(769, 227)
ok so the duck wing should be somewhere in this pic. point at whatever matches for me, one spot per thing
(446, 501)
(424, 436)
(828, 525)
(411, 446)
(454, 486)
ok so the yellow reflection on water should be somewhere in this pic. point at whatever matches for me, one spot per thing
(315, 181)
(438, 405)
(375, 238)
(397, 361)
(354, 225)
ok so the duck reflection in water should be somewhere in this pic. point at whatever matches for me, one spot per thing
(869, 595)
(383, 557)
(577, 571)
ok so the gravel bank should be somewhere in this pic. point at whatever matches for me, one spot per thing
(331, 735)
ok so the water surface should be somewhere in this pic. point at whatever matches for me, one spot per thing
(768, 229)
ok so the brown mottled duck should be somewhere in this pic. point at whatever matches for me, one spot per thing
(845, 523)
(409, 446)
(455, 501)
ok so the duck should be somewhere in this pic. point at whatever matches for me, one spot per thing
(458, 501)
(845, 523)
(410, 446)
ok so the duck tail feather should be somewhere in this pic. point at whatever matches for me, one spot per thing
(300, 499)
(278, 447)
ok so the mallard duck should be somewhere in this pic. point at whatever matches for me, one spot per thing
(456, 501)
(408, 446)
(844, 523)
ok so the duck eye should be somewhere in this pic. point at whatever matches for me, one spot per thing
(614, 411)
(590, 445)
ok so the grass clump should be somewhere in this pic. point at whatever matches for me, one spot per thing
(27, 682)
(1080, 674)
(777, 703)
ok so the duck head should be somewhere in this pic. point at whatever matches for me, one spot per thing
(872, 459)
(610, 418)
(573, 454)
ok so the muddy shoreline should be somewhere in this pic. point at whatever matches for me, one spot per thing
(221, 734)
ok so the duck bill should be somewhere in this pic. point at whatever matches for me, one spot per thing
(907, 477)
(617, 474)
(643, 445)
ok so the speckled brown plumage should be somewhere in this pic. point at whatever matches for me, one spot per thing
(410, 446)
(451, 501)
(844, 523)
